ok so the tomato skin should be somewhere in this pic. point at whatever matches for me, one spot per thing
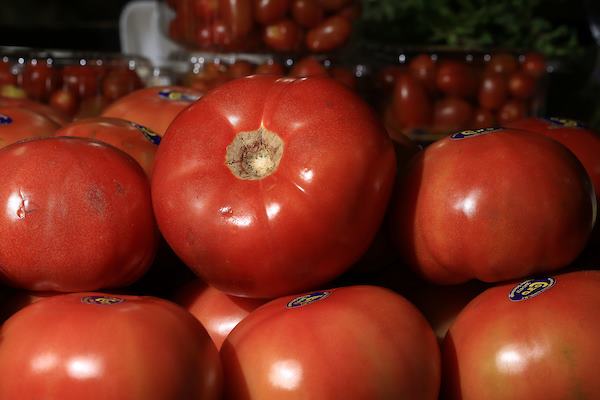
(510, 111)
(218, 312)
(307, 13)
(394, 354)
(493, 91)
(133, 139)
(329, 34)
(153, 107)
(237, 17)
(84, 192)
(308, 66)
(521, 85)
(534, 64)
(411, 106)
(502, 63)
(456, 78)
(39, 80)
(284, 35)
(247, 241)
(446, 218)
(270, 11)
(483, 118)
(546, 345)
(451, 114)
(424, 69)
(141, 348)
(17, 123)
(55, 115)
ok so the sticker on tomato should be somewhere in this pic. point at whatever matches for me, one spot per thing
(148, 133)
(564, 123)
(530, 288)
(175, 95)
(5, 119)
(472, 133)
(307, 299)
(102, 300)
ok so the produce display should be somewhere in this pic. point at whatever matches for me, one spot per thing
(289, 234)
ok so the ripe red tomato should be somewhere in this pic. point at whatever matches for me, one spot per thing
(259, 163)
(493, 91)
(17, 123)
(284, 35)
(355, 342)
(153, 107)
(39, 80)
(240, 68)
(307, 66)
(492, 204)
(521, 85)
(512, 110)
(118, 82)
(218, 312)
(502, 63)
(451, 114)
(456, 78)
(237, 17)
(539, 337)
(94, 204)
(329, 35)
(424, 69)
(534, 64)
(307, 13)
(56, 116)
(411, 106)
(136, 140)
(65, 101)
(270, 11)
(82, 80)
(270, 67)
(94, 345)
(483, 118)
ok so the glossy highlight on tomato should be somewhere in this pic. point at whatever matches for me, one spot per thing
(268, 185)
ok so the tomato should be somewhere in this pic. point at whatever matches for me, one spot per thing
(534, 64)
(355, 342)
(333, 5)
(483, 118)
(411, 106)
(492, 204)
(91, 107)
(100, 346)
(83, 80)
(451, 114)
(119, 82)
(136, 140)
(582, 141)
(239, 69)
(65, 101)
(153, 107)
(330, 34)
(423, 68)
(94, 202)
(502, 63)
(307, 13)
(493, 91)
(7, 77)
(237, 17)
(17, 123)
(512, 110)
(284, 35)
(456, 78)
(536, 337)
(242, 174)
(386, 77)
(351, 12)
(54, 115)
(344, 76)
(39, 80)
(270, 11)
(521, 85)
(308, 66)
(270, 67)
(218, 312)
(206, 10)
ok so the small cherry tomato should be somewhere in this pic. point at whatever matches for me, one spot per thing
(268, 12)
(65, 101)
(40, 79)
(502, 63)
(493, 91)
(307, 66)
(451, 114)
(270, 67)
(239, 69)
(285, 36)
(456, 78)
(534, 64)
(329, 34)
(423, 68)
(512, 110)
(307, 13)
(483, 118)
(410, 103)
(521, 85)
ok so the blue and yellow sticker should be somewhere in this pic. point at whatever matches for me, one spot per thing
(5, 119)
(530, 288)
(175, 95)
(471, 133)
(102, 300)
(148, 133)
(308, 299)
(565, 122)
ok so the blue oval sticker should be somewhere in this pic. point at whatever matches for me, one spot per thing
(102, 300)
(471, 133)
(307, 299)
(174, 95)
(5, 119)
(565, 122)
(530, 288)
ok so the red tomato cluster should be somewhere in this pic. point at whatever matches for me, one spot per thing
(74, 90)
(280, 25)
(318, 279)
(437, 95)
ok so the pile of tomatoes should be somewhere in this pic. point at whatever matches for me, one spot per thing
(318, 26)
(268, 239)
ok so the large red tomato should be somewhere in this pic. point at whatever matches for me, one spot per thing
(98, 346)
(77, 215)
(17, 123)
(492, 204)
(153, 107)
(534, 339)
(56, 116)
(270, 185)
(354, 342)
(134, 139)
(218, 312)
